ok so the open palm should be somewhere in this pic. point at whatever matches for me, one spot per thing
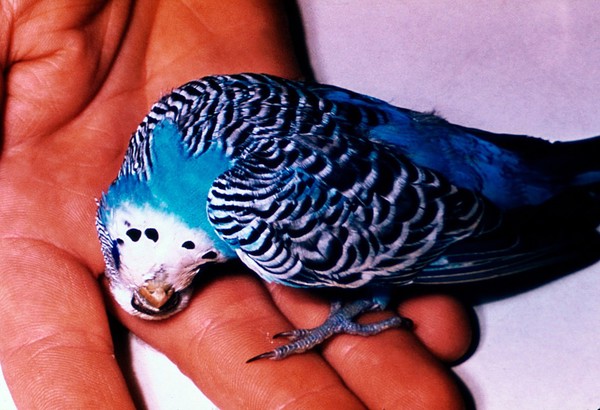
(78, 77)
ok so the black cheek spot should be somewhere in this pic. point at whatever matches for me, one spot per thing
(120, 241)
(151, 234)
(209, 255)
(188, 245)
(134, 234)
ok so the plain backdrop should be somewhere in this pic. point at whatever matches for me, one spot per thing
(503, 65)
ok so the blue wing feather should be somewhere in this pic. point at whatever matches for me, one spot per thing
(510, 170)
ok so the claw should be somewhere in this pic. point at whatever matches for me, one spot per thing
(339, 321)
(292, 334)
(284, 351)
(266, 355)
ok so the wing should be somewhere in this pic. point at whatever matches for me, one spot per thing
(314, 210)
(510, 170)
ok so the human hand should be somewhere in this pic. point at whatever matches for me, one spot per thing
(77, 80)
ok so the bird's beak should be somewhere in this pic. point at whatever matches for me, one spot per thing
(156, 294)
(155, 298)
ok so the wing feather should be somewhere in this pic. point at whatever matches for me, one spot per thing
(346, 214)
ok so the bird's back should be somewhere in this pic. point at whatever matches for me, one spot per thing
(328, 187)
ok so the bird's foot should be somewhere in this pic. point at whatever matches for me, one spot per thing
(340, 320)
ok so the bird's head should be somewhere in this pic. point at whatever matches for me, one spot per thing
(152, 224)
(151, 258)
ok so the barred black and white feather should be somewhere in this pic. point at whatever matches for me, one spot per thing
(329, 188)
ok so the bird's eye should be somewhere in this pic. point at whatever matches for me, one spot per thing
(188, 245)
(151, 234)
(134, 234)
(209, 255)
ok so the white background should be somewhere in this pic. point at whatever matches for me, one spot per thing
(507, 66)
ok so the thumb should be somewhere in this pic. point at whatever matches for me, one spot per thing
(56, 349)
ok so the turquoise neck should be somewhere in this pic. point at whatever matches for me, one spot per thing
(177, 183)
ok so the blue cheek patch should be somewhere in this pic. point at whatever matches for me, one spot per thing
(114, 251)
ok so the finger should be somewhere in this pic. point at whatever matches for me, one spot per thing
(443, 324)
(229, 321)
(394, 369)
(226, 36)
(56, 350)
(52, 81)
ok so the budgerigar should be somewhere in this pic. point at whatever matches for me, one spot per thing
(315, 186)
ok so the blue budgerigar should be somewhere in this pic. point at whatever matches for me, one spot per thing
(314, 186)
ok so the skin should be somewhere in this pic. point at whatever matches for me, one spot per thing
(77, 77)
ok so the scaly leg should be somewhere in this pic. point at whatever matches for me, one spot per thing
(340, 320)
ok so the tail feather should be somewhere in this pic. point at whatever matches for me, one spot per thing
(559, 236)
(510, 170)
(574, 162)
(461, 266)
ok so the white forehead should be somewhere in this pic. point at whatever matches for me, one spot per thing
(152, 242)
(128, 216)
